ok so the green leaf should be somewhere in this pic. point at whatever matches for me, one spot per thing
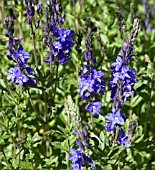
(25, 165)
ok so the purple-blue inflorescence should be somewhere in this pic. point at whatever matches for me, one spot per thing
(62, 45)
(91, 81)
(21, 74)
(121, 85)
(30, 10)
(79, 159)
(147, 16)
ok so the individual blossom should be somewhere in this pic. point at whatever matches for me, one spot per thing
(17, 76)
(114, 119)
(22, 56)
(13, 44)
(79, 159)
(123, 139)
(94, 107)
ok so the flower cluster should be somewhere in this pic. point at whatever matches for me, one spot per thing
(79, 159)
(121, 85)
(91, 81)
(19, 56)
(147, 16)
(122, 82)
(83, 136)
(62, 46)
(30, 10)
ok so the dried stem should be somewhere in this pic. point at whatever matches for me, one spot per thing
(116, 134)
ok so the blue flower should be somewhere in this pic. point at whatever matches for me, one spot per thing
(94, 107)
(114, 119)
(92, 82)
(17, 76)
(22, 56)
(65, 35)
(122, 82)
(79, 159)
(123, 139)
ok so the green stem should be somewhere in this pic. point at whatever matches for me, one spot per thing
(18, 124)
(68, 142)
(56, 81)
(3, 152)
(119, 157)
(34, 108)
(51, 70)
(34, 45)
(3, 13)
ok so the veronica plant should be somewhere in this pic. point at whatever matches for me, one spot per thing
(61, 47)
(91, 81)
(121, 85)
(21, 74)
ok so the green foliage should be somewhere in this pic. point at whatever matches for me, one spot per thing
(37, 129)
